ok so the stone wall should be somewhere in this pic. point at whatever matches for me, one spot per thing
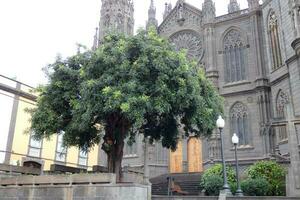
(183, 198)
(228, 198)
(78, 192)
(69, 187)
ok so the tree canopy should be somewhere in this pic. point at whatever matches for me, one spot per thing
(129, 85)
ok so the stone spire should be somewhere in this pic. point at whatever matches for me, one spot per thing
(152, 16)
(295, 14)
(253, 4)
(209, 11)
(95, 43)
(233, 6)
(116, 15)
(168, 9)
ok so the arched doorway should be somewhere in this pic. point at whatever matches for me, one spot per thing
(195, 161)
(176, 159)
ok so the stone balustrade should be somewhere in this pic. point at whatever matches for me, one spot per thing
(19, 169)
(75, 179)
(231, 15)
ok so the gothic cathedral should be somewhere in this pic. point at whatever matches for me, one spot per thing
(252, 57)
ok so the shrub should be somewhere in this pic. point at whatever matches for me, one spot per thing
(273, 173)
(255, 187)
(217, 170)
(213, 184)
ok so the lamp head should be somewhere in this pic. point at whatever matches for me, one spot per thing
(235, 139)
(220, 122)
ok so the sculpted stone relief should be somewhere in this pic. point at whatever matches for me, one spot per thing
(272, 19)
(190, 41)
(281, 101)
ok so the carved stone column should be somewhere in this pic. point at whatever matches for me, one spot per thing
(212, 72)
(263, 102)
(209, 14)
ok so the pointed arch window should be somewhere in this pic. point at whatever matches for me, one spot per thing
(239, 118)
(234, 57)
(274, 41)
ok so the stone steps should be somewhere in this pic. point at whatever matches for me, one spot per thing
(188, 182)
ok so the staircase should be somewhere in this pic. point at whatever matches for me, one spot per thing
(188, 182)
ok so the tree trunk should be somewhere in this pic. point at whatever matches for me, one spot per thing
(114, 160)
(118, 160)
(110, 162)
(113, 145)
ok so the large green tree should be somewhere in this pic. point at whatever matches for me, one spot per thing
(130, 85)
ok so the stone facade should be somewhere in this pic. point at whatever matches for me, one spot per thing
(252, 57)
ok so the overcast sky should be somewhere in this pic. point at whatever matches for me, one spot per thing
(33, 32)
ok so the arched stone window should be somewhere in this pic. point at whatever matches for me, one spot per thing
(274, 40)
(191, 41)
(239, 118)
(234, 57)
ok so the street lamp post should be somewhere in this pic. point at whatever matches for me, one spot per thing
(235, 141)
(220, 125)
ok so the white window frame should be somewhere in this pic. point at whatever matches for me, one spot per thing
(60, 152)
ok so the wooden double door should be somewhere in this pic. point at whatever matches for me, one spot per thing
(194, 156)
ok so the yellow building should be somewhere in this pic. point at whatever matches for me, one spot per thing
(22, 149)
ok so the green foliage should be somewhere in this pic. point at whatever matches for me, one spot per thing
(255, 187)
(213, 184)
(129, 85)
(217, 170)
(273, 173)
